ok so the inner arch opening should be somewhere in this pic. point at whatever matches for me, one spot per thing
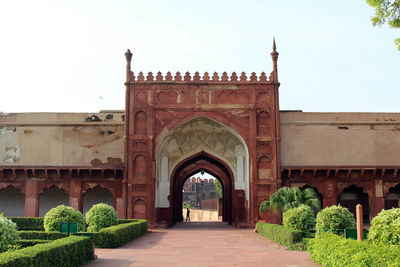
(196, 164)
(201, 194)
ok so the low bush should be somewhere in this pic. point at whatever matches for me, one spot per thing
(118, 235)
(279, 234)
(101, 216)
(41, 235)
(334, 219)
(70, 251)
(385, 227)
(28, 223)
(59, 214)
(8, 233)
(300, 218)
(332, 250)
(23, 243)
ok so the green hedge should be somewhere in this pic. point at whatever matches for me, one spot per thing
(332, 250)
(42, 235)
(279, 234)
(31, 242)
(120, 234)
(70, 251)
(28, 223)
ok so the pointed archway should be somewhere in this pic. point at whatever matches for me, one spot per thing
(196, 163)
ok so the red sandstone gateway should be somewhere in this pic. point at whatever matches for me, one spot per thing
(176, 125)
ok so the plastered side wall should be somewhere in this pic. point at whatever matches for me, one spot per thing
(340, 139)
(62, 139)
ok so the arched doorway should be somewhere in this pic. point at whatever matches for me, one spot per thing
(193, 145)
(12, 202)
(353, 195)
(393, 197)
(97, 195)
(51, 198)
(207, 163)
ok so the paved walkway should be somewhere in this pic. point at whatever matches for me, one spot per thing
(201, 244)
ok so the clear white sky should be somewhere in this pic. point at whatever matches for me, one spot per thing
(62, 56)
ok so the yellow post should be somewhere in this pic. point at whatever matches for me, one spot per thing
(359, 216)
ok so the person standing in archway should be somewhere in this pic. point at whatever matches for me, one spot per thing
(187, 215)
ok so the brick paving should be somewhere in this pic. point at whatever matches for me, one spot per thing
(201, 244)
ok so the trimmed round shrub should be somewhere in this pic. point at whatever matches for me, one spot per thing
(8, 233)
(334, 219)
(101, 216)
(59, 214)
(385, 227)
(300, 218)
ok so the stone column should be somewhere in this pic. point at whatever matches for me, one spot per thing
(31, 198)
(75, 198)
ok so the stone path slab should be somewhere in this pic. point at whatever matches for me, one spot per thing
(201, 244)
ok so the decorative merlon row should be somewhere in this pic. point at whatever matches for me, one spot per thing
(205, 78)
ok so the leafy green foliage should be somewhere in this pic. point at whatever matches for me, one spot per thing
(101, 216)
(299, 218)
(59, 214)
(8, 233)
(386, 11)
(28, 223)
(218, 187)
(69, 251)
(42, 235)
(385, 227)
(186, 206)
(334, 218)
(118, 235)
(332, 250)
(279, 234)
(23, 243)
(291, 197)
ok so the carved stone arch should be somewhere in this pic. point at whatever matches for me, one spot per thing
(140, 123)
(353, 195)
(20, 186)
(139, 209)
(140, 167)
(12, 201)
(392, 197)
(97, 194)
(201, 135)
(264, 168)
(263, 127)
(46, 186)
(52, 196)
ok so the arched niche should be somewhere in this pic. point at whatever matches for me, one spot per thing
(140, 123)
(392, 198)
(51, 198)
(264, 168)
(263, 127)
(140, 167)
(139, 209)
(200, 135)
(12, 202)
(353, 195)
(97, 195)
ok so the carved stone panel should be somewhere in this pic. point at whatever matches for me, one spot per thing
(140, 123)
(263, 123)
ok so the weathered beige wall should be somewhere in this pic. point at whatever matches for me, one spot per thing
(314, 139)
(308, 139)
(61, 139)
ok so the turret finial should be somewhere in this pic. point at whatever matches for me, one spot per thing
(274, 56)
(128, 55)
